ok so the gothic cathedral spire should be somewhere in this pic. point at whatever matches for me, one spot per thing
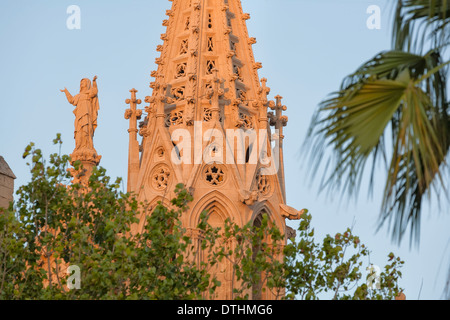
(207, 123)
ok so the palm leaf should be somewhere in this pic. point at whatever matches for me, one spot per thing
(419, 21)
(396, 92)
(416, 163)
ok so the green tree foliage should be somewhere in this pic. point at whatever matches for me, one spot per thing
(55, 224)
(334, 268)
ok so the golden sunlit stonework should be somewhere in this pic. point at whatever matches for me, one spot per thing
(208, 124)
(86, 113)
(206, 83)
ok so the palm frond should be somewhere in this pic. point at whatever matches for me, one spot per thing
(419, 21)
(402, 93)
(419, 154)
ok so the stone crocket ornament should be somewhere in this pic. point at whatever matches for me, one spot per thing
(86, 112)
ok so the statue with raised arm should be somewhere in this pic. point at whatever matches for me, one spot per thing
(86, 112)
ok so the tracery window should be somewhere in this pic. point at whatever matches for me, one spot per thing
(178, 92)
(214, 174)
(181, 70)
(160, 178)
(210, 44)
(210, 66)
(263, 184)
(184, 46)
(174, 119)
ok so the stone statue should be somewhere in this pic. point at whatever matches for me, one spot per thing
(86, 112)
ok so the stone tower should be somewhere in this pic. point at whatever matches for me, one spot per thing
(7, 178)
(208, 125)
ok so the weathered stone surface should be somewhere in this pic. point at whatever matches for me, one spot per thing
(5, 170)
(6, 183)
(4, 203)
(5, 191)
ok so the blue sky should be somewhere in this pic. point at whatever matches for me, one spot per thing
(306, 47)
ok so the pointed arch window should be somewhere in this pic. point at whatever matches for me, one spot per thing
(263, 184)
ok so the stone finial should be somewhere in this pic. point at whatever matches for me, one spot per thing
(133, 114)
(265, 90)
(278, 119)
